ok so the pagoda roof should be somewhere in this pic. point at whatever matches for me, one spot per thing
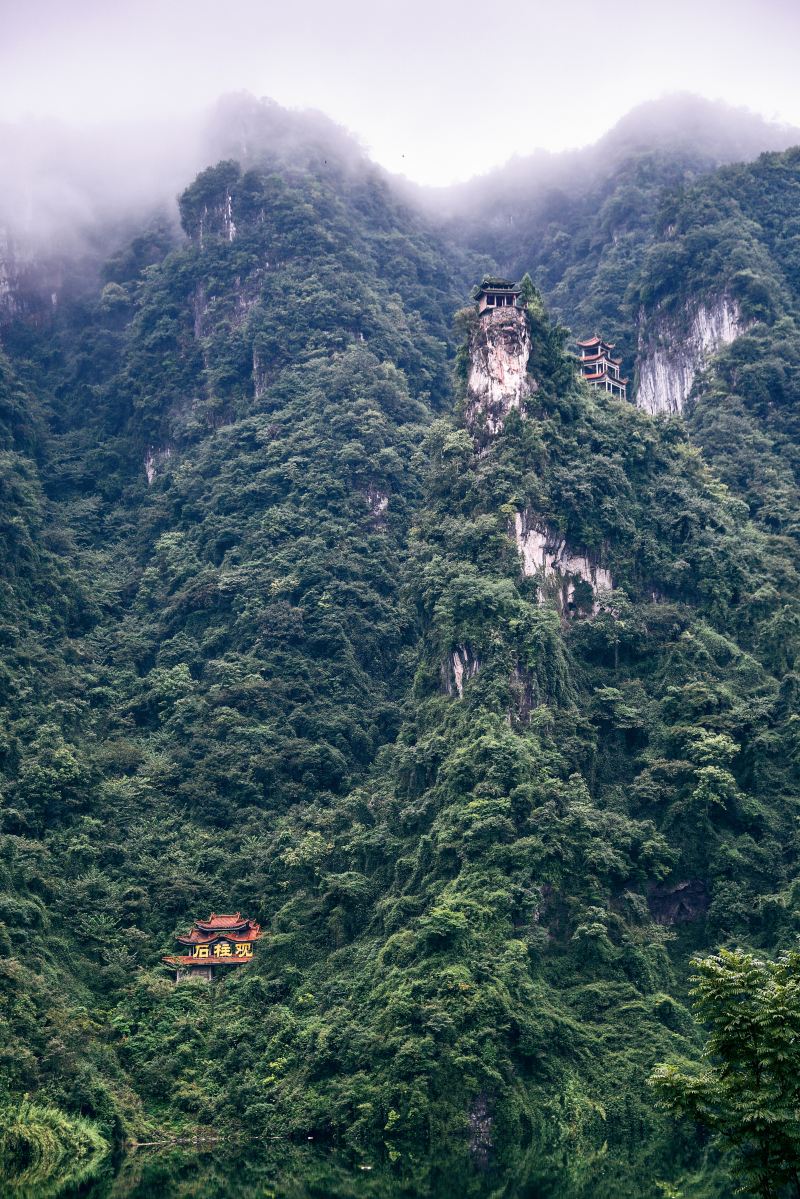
(600, 357)
(215, 921)
(234, 928)
(491, 283)
(605, 375)
(195, 937)
(596, 341)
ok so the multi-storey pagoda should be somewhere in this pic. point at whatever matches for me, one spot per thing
(497, 293)
(215, 944)
(598, 367)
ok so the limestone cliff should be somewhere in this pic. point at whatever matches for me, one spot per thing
(7, 273)
(498, 379)
(29, 282)
(155, 461)
(574, 581)
(460, 666)
(672, 350)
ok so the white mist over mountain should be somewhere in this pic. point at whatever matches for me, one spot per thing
(438, 89)
(66, 187)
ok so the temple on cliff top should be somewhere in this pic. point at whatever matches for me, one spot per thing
(215, 944)
(497, 293)
(599, 369)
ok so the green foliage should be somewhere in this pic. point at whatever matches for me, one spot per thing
(747, 1094)
(245, 541)
(42, 1151)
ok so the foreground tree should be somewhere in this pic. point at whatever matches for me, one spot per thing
(748, 1094)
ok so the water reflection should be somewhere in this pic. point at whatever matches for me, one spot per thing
(281, 1171)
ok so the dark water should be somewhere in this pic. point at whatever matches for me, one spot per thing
(279, 1170)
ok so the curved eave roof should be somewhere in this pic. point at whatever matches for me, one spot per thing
(493, 283)
(195, 937)
(600, 358)
(596, 341)
(187, 959)
(605, 375)
(232, 920)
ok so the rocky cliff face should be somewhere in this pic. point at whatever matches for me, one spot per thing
(156, 459)
(672, 351)
(460, 666)
(573, 580)
(7, 273)
(498, 379)
(29, 284)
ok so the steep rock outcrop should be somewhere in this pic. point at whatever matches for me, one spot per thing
(207, 207)
(29, 281)
(498, 379)
(559, 571)
(459, 667)
(8, 273)
(673, 350)
(154, 460)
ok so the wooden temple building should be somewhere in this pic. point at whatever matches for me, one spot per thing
(497, 293)
(599, 369)
(218, 943)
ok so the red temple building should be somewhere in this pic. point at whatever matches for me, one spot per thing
(599, 369)
(215, 944)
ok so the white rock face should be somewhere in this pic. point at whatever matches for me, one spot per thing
(153, 460)
(228, 222)
(377, 501)
(461, 666)
(547, 558)
(29, 282)
(670, 356)
(7, 271)
(217, 219)
(498, 378)
(259, 375)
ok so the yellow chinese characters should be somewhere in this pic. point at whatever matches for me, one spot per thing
(224, 949)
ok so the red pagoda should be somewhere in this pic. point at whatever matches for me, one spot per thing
(215, 944)
(599, 369)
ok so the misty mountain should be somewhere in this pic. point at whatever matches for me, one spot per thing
(73, 197)
(59, 176)
(704, 134)
(326, 600)
(581, 221)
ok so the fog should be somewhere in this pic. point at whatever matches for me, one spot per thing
(109, 108)
(438, 89)
(58, 176)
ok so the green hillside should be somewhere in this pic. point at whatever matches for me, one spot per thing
(247, 523)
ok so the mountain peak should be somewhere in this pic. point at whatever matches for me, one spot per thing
(712, 128)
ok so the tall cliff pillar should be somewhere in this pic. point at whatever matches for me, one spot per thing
(497, 379)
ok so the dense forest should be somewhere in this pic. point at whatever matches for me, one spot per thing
(269, 647)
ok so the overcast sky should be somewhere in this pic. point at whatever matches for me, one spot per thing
(436, 89)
